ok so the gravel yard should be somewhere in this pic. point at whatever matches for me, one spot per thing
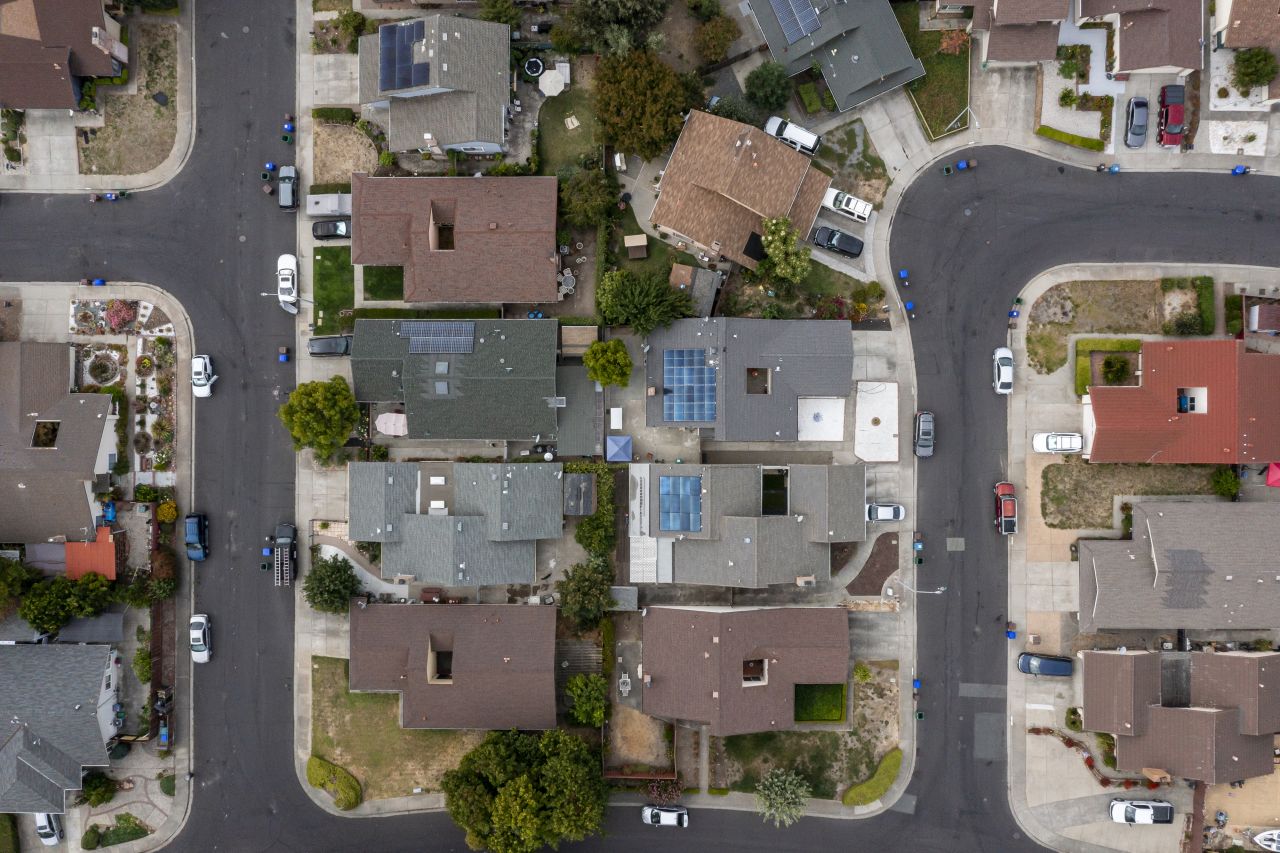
(139, 131)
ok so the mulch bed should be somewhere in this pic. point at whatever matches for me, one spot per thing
(882, 563)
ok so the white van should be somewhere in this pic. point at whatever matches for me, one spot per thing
(804, 141)
(851, 206)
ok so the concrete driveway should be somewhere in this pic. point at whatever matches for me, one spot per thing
(51, 143)
(336, 80)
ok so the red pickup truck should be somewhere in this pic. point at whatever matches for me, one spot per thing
(1006, 509)
(1173, 126)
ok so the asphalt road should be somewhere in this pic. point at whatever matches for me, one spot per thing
(210, 237)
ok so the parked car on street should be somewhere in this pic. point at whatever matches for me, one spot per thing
(49, 829)
(287, 195)
(835, 240)
(804, 141)
(201, 639)
(1033, 664)
(195, 531)
(287, 283)
(1172, 126)
(202, 377)
(1006, 509)
(1057, 442)
(665, 815)
(331, 229)
(329, 346)
(1135, 124)
(924, 434)
(1002, 370)
(851, 206)
(1141, 811)
(886, 512)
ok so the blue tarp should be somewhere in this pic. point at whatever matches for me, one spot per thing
(617, 448)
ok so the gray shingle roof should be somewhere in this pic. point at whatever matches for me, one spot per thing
(524, 501)
(52, 692)
(378, 495)
(581, 421)
(454, 551)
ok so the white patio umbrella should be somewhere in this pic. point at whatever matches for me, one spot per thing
(392, 423)
(551, 83)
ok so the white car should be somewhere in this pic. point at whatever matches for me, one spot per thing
(886, 512)
(665, 815)
(1002, 370)
(851, 206)
(202, 377)
(1057, 442)
(1141, 811)
(201, 645)
(49, 829)
(287, 283)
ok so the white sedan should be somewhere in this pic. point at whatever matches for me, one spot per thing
(201, 642)
(1002, 370)
(1057, 442)
(287, 283)
(202, 377)
(886, 512)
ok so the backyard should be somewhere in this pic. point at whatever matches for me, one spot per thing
(361, 733)
(943, 92)
(854, 164)
(334, 280)
(558, 146)
(1078, 495)
(661, 255)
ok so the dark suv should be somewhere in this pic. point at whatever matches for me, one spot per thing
(1173, 125)
(835, 240)
(196, 533)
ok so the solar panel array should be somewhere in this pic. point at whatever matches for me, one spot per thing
(680, 503)
(396, 68)
(688, 386)
(447, 336)
(797, 17)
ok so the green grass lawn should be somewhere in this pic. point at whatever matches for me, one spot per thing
(820, 703)
(384, 282)
(822, 280)
(874, 788)
(557, 145)
(333, 281)
(661, 255)
(943, 91)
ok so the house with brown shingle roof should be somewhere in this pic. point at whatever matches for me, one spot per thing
(723, 179)
(735, 670)
(48, 46)
(460, 240)
(1205, 716)
(1249, 23)
(458, 666)
(1151, 35)
(1019, 31)
(1206, 401)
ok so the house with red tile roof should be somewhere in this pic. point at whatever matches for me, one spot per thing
(1204, 402)
(101, 556)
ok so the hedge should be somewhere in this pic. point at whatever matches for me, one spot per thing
(1084, 346)
(874, 788)
(1205, 296)
(8, 834)
(1233, 307)
(341, 115)
(341, 785)
(324, 189)
(1070, 138)
(808, 93)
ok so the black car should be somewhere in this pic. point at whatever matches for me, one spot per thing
(836, 240)
(330, 346)
(331, 229)
(1033, 664)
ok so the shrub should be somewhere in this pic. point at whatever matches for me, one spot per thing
(1205, 299)
(120, 313)
(325, 189)
(144, 493)
(665, 792)
(97, 789)
(167, 783)
(330, 584)
(337, 782)
(1184, 324)
(1223, 92)
(588, 695)
(8, 834)
(386, 159)
(1107, 744)
(1115, 369)
(340, 115)
(1078, 141)
(12, 154)
(808, 93)
(705, 10)
(781, 796)
(861, 673)
(142, 664)
(1253, 67)
(1225, 483)
(91, 839)
(714, 37)
(874, 788)
(1067, 98)
(161, 588)
(1074, 721)
(1233, 308)
(768, 86)
(608, 362)
(953, 42)
(167, 512)
(828, 100)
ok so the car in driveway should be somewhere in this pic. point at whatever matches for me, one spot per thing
(924, 434)
(1006, 509)
(1033, 664)
(851, 206)
(1141, 811)
(1135, 123)
(331, 229)
(287, 283)
(202, 377)
(199, 633)
(195, 533)
(886, 512)
(665, 815)
(1057, 442)
(1002, 370)
(49, 829)
(1171, 127)
(835, 240)
(329, 346)
(790, 133)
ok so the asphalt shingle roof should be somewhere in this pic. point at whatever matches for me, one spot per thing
(378, 495)
(44, 44)
(1153, 33)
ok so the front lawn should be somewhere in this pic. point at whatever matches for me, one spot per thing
(361, 733)
(557, 145)
(943, 92)
(384, 283)
(333, 281)
(820, 703)
(1075, 494)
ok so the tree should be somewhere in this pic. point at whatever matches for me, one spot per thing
(1254, 66)
(714, 37)
(97, 788)
(768, 86)
(592, 20)
(584, 592)
(517, 826)
(1115, 369)
(705, 10)
(781, 796)
(736, 109)
(786, 261)
(640, 102)
(46, 606)
(1225, 482)
(588, 197)
(588, 698)
(500, 12)
(15, 579)
(90, 595)
(643, 303)
(608, 363)
(321, 415)
(330, 584)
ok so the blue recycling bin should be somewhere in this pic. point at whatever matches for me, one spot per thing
(910, 306)
(902, 273)
(99, 282)
(962, 165)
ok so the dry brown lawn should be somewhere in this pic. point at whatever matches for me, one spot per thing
(854, 164)
(636, 738)
(138, 133)
(679, 27)
(1077, 495)
(1078, 307)
(338, 150)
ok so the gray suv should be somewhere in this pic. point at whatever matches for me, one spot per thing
(924, 434)
(1135, 132)
(288, 197)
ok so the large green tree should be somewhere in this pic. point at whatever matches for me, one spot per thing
(584, 592)
(330, 584)
(768, 86)
(781, 796)
(642, 302)
(786, 260)
(49, 605)
(588, 197)
(500, 12)
(608, 362)
(640, 102)
(15, 579)
(321, 415)
(714, 37)
(588, 695)
(603, 25)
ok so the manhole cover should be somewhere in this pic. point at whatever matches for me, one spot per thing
(968, 212)
(161, 98)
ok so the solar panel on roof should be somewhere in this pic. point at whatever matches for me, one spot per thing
(439, 336)
(386, 56)
(680, 503)
(797, 17)
(396, 68)
(688, 386)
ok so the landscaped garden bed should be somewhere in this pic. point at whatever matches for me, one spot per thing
(1076, 495)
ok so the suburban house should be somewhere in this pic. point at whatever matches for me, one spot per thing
(723, 179)
(455, 524)
(1207, 716)
(106, 627)
(48, 47)
(751, 380)
(1242, 24)
(1207, 401)
(747, 526)
(439, 83)
(444, 231)
(1190, 565)
(56, 446)
(859, 46)
(1019, 31)
(56, 716)
(1163, 36)
(736, 670)
(458, 666)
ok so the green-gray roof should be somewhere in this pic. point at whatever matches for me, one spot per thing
(581, 420)
(378, 495)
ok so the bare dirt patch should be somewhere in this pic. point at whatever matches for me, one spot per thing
(338, 150)
(851, 158)
(881, 563)
(1075, 307)
(1077, 495)
(138, 133)
(636, 738)
(678, 29)
(10, 319)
